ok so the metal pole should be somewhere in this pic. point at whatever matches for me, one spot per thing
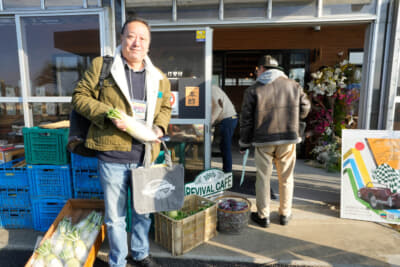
(24, 72)
(370, 64)
(390, 81)
(269, 9)
(320, 4)
(174, 11)
(221, 10)
(208, 81)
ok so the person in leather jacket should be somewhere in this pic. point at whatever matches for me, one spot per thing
(269, 121)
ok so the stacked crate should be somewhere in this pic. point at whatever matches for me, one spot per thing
(86, 183)
(15, 202)
(49, 173)
(85, 177)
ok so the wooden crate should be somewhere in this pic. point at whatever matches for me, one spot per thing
(77, 209)
(180, 236)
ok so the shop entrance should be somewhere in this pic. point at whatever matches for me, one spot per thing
(300, 50)
(234, 71)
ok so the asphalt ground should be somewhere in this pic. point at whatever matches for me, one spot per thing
(18, 258)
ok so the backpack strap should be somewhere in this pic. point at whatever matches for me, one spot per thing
(105, 69)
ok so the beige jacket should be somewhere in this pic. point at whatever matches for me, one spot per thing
(222, 106)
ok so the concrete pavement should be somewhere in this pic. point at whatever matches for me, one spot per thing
(315, 236)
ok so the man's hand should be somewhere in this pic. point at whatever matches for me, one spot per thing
(120, 123)
(159, 132)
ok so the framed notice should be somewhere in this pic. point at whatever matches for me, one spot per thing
(370, 176)
(191, 98)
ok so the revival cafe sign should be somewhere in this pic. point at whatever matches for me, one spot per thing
(209, 182)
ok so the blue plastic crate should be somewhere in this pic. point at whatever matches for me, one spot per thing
(88, 194)
(45, 210)
(86, 179)
(50, 181)
(15, 197)
(46, 146)
(14, 218)
(81, 162)
(10, 176)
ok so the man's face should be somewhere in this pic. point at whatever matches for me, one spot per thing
(135, 42)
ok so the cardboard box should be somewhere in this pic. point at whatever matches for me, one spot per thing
(180, 236)
(77, 209)
(9, 153)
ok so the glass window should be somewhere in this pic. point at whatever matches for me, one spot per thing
(396, 125)
(182, 58)
(149, 10)
(9, 73)
(230, 82)
(62, 3)
(297, 74)
(335, 7)
(59, 50)
(188, 9)
(21, 4)
(398, 85)
(356, 57)
(245, 9)
(297, 58)
(93, 3)
(11, 113)
(11, 123)
(187, 145)
(118, 20)
(50, 112)
(245, 81)
(284, 8)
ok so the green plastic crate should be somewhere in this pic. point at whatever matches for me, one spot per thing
(46, 146)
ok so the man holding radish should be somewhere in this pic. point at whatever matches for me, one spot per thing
(135, 90)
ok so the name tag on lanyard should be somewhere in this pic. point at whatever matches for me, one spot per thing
(139, 109)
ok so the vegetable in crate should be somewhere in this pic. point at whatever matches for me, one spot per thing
(135, 128)
(69, 244)
(46, 257)
(173, 214)
(180, 214)
(58, 237)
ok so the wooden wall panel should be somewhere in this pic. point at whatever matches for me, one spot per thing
(329, 41)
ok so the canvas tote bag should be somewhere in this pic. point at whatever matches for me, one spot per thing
(159, 187)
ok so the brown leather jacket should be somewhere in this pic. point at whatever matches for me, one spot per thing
(271, 113)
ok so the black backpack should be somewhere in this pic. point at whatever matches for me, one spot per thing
(79, 125)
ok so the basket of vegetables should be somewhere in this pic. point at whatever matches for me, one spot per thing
(232, 214)
(74, 238)
(182, 230)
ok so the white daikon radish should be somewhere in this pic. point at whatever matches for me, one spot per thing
(137, 129)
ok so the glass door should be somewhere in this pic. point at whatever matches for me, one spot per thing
(185, 57)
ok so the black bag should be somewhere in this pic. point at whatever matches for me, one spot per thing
(79, 125)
